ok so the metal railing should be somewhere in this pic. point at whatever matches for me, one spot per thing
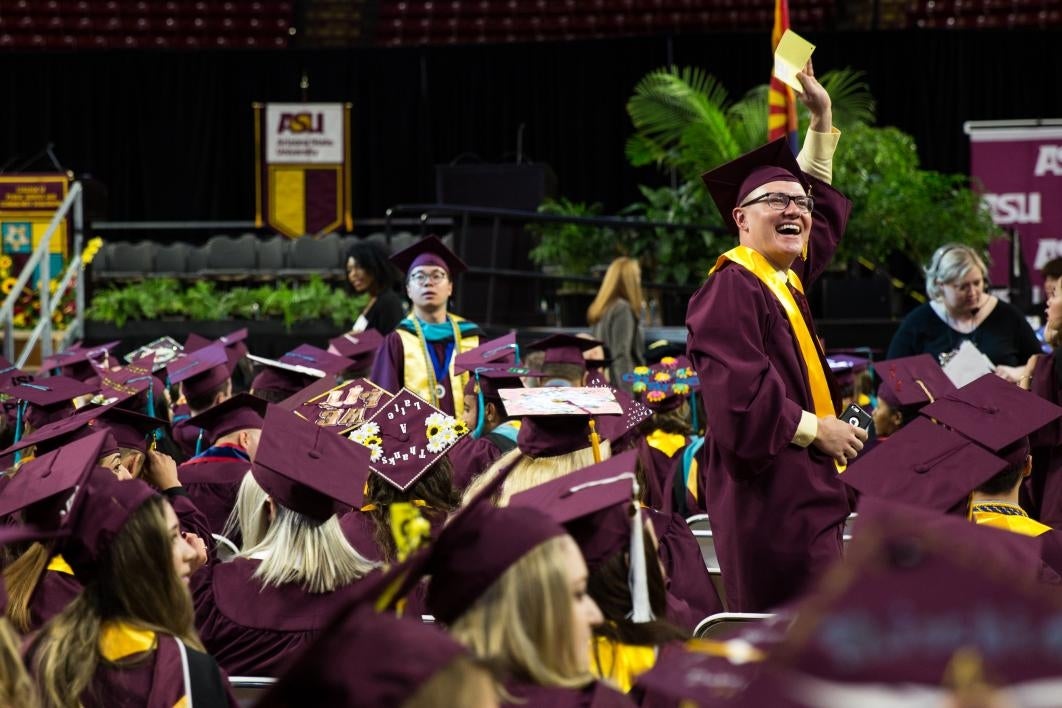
(48, 301)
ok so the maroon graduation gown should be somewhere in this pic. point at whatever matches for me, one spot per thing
(691, 595)
(212, 484)
(659, 474)
(1044, 487)
(388, 369)
(186, 436)
(777, 509)
(596, 695)
(360, 532)
(470, 458)
(255, 631)
(55, 590)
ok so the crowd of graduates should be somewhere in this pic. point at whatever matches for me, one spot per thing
(435, 516)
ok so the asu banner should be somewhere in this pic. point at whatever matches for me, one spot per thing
(302, 167)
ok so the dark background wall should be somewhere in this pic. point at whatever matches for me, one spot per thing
(169, 133)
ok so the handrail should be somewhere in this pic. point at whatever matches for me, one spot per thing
(38, 262)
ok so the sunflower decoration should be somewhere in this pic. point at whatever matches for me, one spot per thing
(7, 285)
(368, 434)
(661, 377)
(443, 431)
(671, 376)
(641, 371)
(6, 263)
(669, 362)
(655, 396)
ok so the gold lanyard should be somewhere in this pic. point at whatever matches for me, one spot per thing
(435, 389)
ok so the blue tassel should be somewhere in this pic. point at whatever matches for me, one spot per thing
(151, 400)
(199, 442)
(693, 412)
(516, 350)
(20, 411)
(480, 418)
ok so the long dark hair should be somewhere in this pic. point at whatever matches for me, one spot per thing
(373, 259)
(435, 489)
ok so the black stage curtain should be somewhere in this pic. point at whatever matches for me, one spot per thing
(170, 132)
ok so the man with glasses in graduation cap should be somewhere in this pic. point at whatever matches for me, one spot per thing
(419, 354)
(772, 457)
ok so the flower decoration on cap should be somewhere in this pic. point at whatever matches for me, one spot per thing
(443, 431)
(369, 436)
(671, 377)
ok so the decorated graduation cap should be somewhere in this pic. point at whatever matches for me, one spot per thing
(559, 420)
(9, 373)
(341, 408)
(429, 250)
(162, 350)
(405, 437)
(731, 183)
(359, 348)
(133, 386)
(308, 469)
(65, 490)
(240, 412)
(598, 505)
(912, 381)
(47, 400)
(365, 658)
(563, 348)
(201, 370)
(919, 593)
(76, 362)
(296, 369)
(665, 385)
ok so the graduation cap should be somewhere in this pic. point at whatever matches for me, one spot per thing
(405, 437)
(48, 400)
(563, 348)
(559, 420)
(240, 412)
(661, 348)
(429, 251)
(344, 407)
(130, 429)
(598, 505)
(912, 381)
(66, 491)
(201, 370)
(296, 369)
(845, 367)
(163, 350)
(308, 469)
(54, 435)
(500, 351)
(9, 373)
(133, 381)
(234, 343)
(665, 385)
(76, 362)
(359, 348)
(729, 184)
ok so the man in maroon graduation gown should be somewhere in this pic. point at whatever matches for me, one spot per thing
(775, 445)
(420, 353)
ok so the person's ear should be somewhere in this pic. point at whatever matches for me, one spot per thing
(1027, 470)
(740, 218)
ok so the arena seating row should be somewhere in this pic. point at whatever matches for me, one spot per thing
(984, 14)
(77, 24)
(245, 257)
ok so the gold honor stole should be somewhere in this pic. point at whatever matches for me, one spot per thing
(775, 281)
(415, 371)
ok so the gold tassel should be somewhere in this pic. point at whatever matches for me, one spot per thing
(595, 441)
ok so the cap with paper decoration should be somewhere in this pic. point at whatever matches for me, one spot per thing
(344, 407)
(65, 490)
(54, 435)
(429, 250)
(558, 420)
(365, 658)
(912, 381)
(200, 371)
(308, 469)
(125, 382)
(48, 400)
(163, 350)
(731, 183)
(358, 347)
(924, 465)
(76, 362)
(996, 414)
(909, 577)
(563, 348)
(502, 351)
(241, 412)
(296, 369)
(405, 437)
(665, 385)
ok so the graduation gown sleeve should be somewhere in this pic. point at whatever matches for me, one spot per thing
(387, 367)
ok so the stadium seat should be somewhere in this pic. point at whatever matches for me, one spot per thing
(321, 256)
(272, 255)
(231, 257)
(722, 625)
(702, 531)
(132, 259)
(248, 690)
(225, 549)
(172, 259)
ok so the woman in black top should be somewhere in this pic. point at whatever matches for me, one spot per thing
(370, 271)
(961, 309)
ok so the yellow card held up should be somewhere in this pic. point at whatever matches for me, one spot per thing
(790, 56)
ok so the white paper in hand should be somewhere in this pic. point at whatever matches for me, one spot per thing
(790, 57)
(967, 364)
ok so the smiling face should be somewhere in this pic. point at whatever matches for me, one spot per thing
(779, 235)
(359, 278)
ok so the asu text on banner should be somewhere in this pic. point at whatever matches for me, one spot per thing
(302, 167)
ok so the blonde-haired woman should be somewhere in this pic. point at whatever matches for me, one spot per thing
(510, 584)
(259, 610)
(961, 308)
(615, 317)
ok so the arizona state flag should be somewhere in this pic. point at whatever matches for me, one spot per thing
(781, 100)
(302, 167)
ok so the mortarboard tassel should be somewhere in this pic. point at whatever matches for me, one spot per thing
(516, 351)
(481, 418)
(19, 412)
(199, 442)
(693, 412)
(151, 400)
(637, 579)
(595, 441)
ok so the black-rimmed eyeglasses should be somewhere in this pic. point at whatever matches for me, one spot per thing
(780, 200)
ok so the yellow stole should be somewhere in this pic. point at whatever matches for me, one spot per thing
(775, 281)
(621, 664)
(59, 565)
(667, 443)
(414, 367)
(119, 640)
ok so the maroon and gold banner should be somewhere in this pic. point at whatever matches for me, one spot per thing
(302, 167)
